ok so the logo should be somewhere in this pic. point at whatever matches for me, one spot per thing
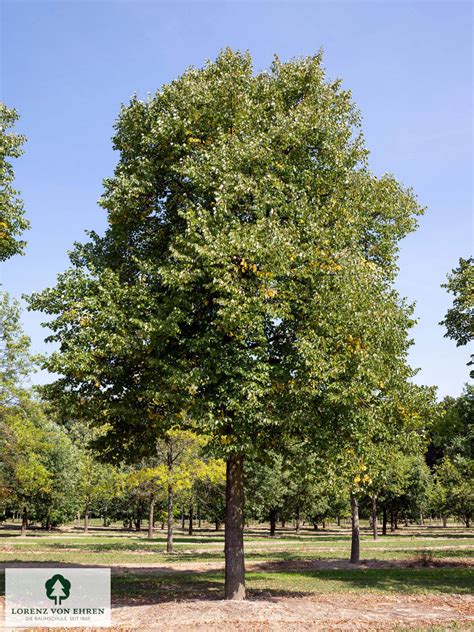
(63, 598)
(58, 588)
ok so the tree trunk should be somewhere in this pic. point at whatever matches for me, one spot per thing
(217, 525)
(86, 520)
(297, 527)
(445, 521)
(374, 516)
(392, 521)
(384, 520)
(395, 520)
(169, 536)
(138, 524)
(24, 521)
(234, 529)
(355, 542)
(151, 509)
(273, 517)
(199, 515)
(422, 520)
(190, 528)
(339, 521)
(283, 523)
(182, 519)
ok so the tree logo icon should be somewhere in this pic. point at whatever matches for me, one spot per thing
(58, 588)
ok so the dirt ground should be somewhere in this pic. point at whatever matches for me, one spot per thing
(318, 612)
(322, 611)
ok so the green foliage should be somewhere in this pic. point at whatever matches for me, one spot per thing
(12, 221)
(39, 466)
(243, 287)
(459, 319)
(15, 359)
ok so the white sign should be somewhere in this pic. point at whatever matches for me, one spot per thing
(57, 597)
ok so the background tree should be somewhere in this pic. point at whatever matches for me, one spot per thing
(459, 319)
(12, 221)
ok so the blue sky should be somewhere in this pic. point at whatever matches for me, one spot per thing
(66, 66)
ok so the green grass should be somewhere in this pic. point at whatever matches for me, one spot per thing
(118, 547)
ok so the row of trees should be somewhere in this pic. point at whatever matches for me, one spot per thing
(243, 293)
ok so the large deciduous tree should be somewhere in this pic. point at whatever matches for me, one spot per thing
(245, 274)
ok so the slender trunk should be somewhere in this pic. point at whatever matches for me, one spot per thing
(355, 542)
(339, 521)
(86, 520)
(273, 517)
(395, 520)
(190, 529)
(392, 521)
(324, 524)
(374, 516)
(24, 521)
(151, 509)
(445, 521)
(217, 525)
(199, 515)
(283, 523)
(169, 537)
(182, 519)
(234, 529)
(422, 520)
(138, 524)
(162, 525)
(468, 522)
(297, 527)
(384, 520)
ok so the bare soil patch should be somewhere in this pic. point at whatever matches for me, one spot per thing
(317, 612)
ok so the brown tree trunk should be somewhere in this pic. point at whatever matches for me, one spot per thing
(24, 521)
(298, 523)
(234, 529)
(190, 528)
(374, 516)
(138, 524)
(445, 521)
(86, 520)
(392, 521)
(169, 536)
(151, 509)
(273, 518)
(182, 519)
(355, 542)
(384, 520)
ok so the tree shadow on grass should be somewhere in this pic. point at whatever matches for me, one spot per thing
(269, 580)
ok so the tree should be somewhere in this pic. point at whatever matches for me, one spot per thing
(12, 221)
(246, 235)
(459, 319)
(15, 359)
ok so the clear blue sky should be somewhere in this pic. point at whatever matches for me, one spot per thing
(68, 65)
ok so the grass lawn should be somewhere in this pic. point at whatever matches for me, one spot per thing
(412, 561)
